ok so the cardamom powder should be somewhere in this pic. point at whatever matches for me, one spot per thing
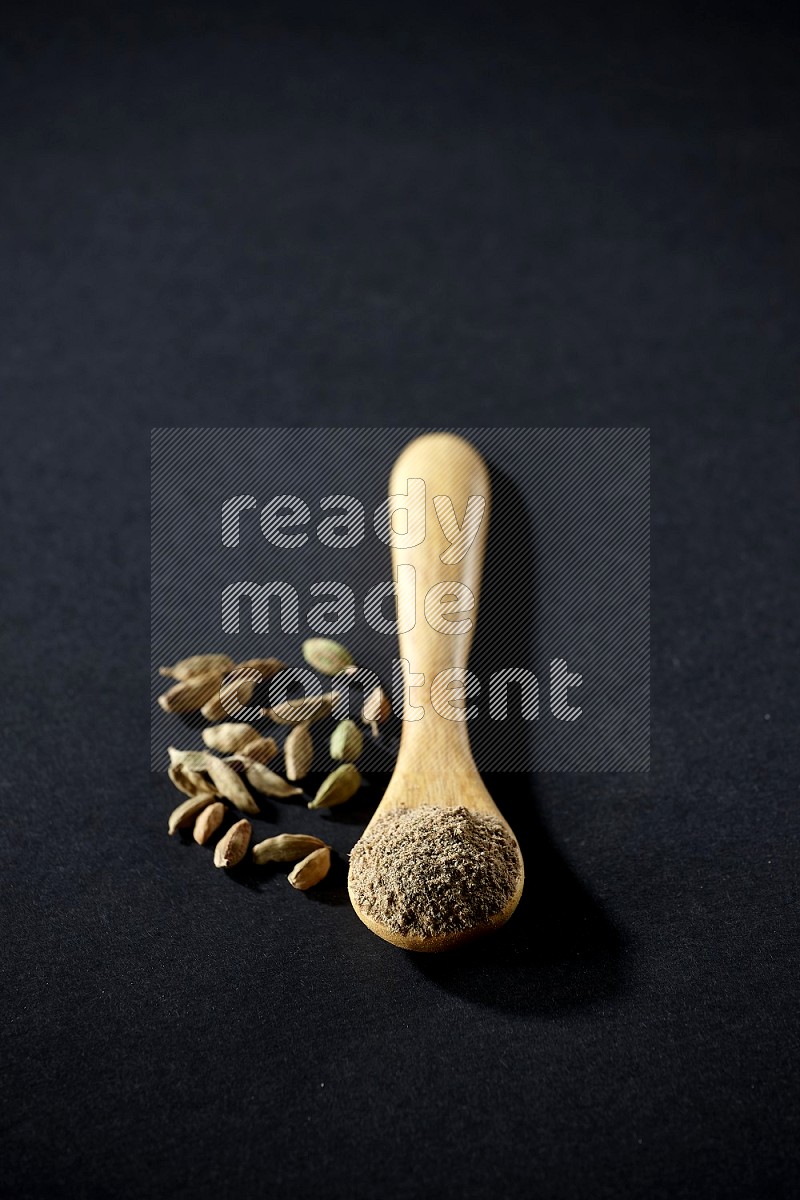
(429, 870)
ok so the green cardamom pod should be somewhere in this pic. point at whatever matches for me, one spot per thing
(230, 737)
(303, 710)
(185, 813)
(286, 847)
(347, 742)
(326, 656)
(311, 870)
(191, 694)
(197, 664)
(232, 848)
(337, 787)
(298, 752)
(208, 822)
(262, 778)
(229, 786)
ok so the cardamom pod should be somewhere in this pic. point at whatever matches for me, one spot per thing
(191, 783)
(208, 822)
(262, 749)
(311, 870)
(347, 742)
(326, 656)
(303, 710)
(232, 848)
(338, 787)
(189, 760)
(262, 778)
(286, 847)
(198, 664)
(376, 709)
(298, 752)
(230, 737)
(186, 812)
(190, 694)
(234, 693)
(229, 786)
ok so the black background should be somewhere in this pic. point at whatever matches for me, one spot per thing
(370, 216)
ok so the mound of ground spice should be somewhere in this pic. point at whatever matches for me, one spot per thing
(429, 870)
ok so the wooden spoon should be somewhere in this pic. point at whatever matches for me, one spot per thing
(435, 764)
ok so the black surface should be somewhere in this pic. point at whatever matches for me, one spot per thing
(312, 219)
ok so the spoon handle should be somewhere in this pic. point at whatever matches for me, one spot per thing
(443, 483)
